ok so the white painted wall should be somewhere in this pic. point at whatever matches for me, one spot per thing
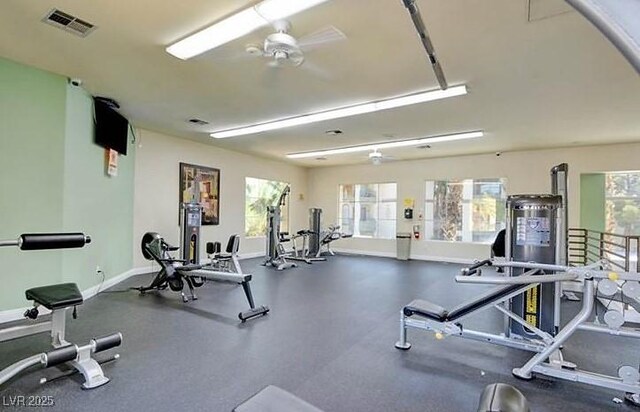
(156, 190)
(526, 172)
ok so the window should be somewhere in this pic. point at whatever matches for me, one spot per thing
(470, 210)
(259, 194)
(368, 210)
(622, 203)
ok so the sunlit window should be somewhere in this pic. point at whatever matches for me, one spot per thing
(260, 194)
(368, 210)
(470, 210)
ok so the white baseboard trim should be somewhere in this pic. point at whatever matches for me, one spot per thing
(429, 258)
(92, 291)
(18, 314)
(11, 315)
(357, 252)
(243, 256)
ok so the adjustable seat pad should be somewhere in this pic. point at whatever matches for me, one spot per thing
(56, 296)
(274, 399)
(500, 397)
(426, 309)
(435, 312)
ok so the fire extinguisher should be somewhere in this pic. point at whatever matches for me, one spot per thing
(416, 232)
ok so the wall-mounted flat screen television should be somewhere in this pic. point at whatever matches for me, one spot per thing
(112, 129)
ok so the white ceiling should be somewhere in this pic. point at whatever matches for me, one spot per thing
(554, 81)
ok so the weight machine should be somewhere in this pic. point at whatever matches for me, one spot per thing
(276, 256)
(548, 359)
(58, 299)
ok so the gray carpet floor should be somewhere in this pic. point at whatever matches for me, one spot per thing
(328, 339)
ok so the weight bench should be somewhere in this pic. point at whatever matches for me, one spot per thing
(58, 299)
(497, 397)
(422, 314)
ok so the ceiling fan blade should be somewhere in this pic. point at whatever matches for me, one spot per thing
(270, 76)
(316, 70)
(320, 38)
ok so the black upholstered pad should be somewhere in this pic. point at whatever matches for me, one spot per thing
(430, 310)
(274, 399)
(188, 267)
(426, 310)
(56, 296)
(485, 299)
(500, 397)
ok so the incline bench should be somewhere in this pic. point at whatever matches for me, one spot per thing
(441, 320)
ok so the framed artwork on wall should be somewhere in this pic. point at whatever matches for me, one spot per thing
(201, 184)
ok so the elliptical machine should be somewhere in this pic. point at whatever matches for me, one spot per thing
(276, 255)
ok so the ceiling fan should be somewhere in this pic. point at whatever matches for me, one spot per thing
(282, 49)
(377, 158)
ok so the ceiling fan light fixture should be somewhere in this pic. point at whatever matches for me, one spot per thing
(273, 10)
(388, 145)
(227, 30)
(339, 113)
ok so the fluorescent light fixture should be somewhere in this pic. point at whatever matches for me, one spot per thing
(274, 10)
(238, 25)
(388, 145)
(229, 29)
(338, 113)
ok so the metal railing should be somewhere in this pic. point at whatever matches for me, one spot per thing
(588, 246)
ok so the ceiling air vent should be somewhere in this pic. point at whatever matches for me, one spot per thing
(69, 23)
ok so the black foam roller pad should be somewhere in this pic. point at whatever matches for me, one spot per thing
(39, 241)
(61, 355)
(107, 342)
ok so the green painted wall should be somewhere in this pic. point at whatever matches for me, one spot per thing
(95, 203)
(52, 179)
(592, 201)
(32, 132)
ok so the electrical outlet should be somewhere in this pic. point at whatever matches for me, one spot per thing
(98, 270)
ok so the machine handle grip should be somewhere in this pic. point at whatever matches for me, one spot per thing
(475, 268)
(60, 355)
(106, 342)
(40, 241)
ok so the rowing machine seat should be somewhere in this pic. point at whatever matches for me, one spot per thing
(53, 297)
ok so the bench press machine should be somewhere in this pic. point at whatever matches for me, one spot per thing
(58, 299)
(548, 359)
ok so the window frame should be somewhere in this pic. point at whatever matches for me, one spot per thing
(608, 198)
(377, 203)
(288, 208)
(423, 221)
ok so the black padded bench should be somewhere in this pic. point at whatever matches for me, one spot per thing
(435, 312)
(55, 297)
(274, 399)
(500, 397)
